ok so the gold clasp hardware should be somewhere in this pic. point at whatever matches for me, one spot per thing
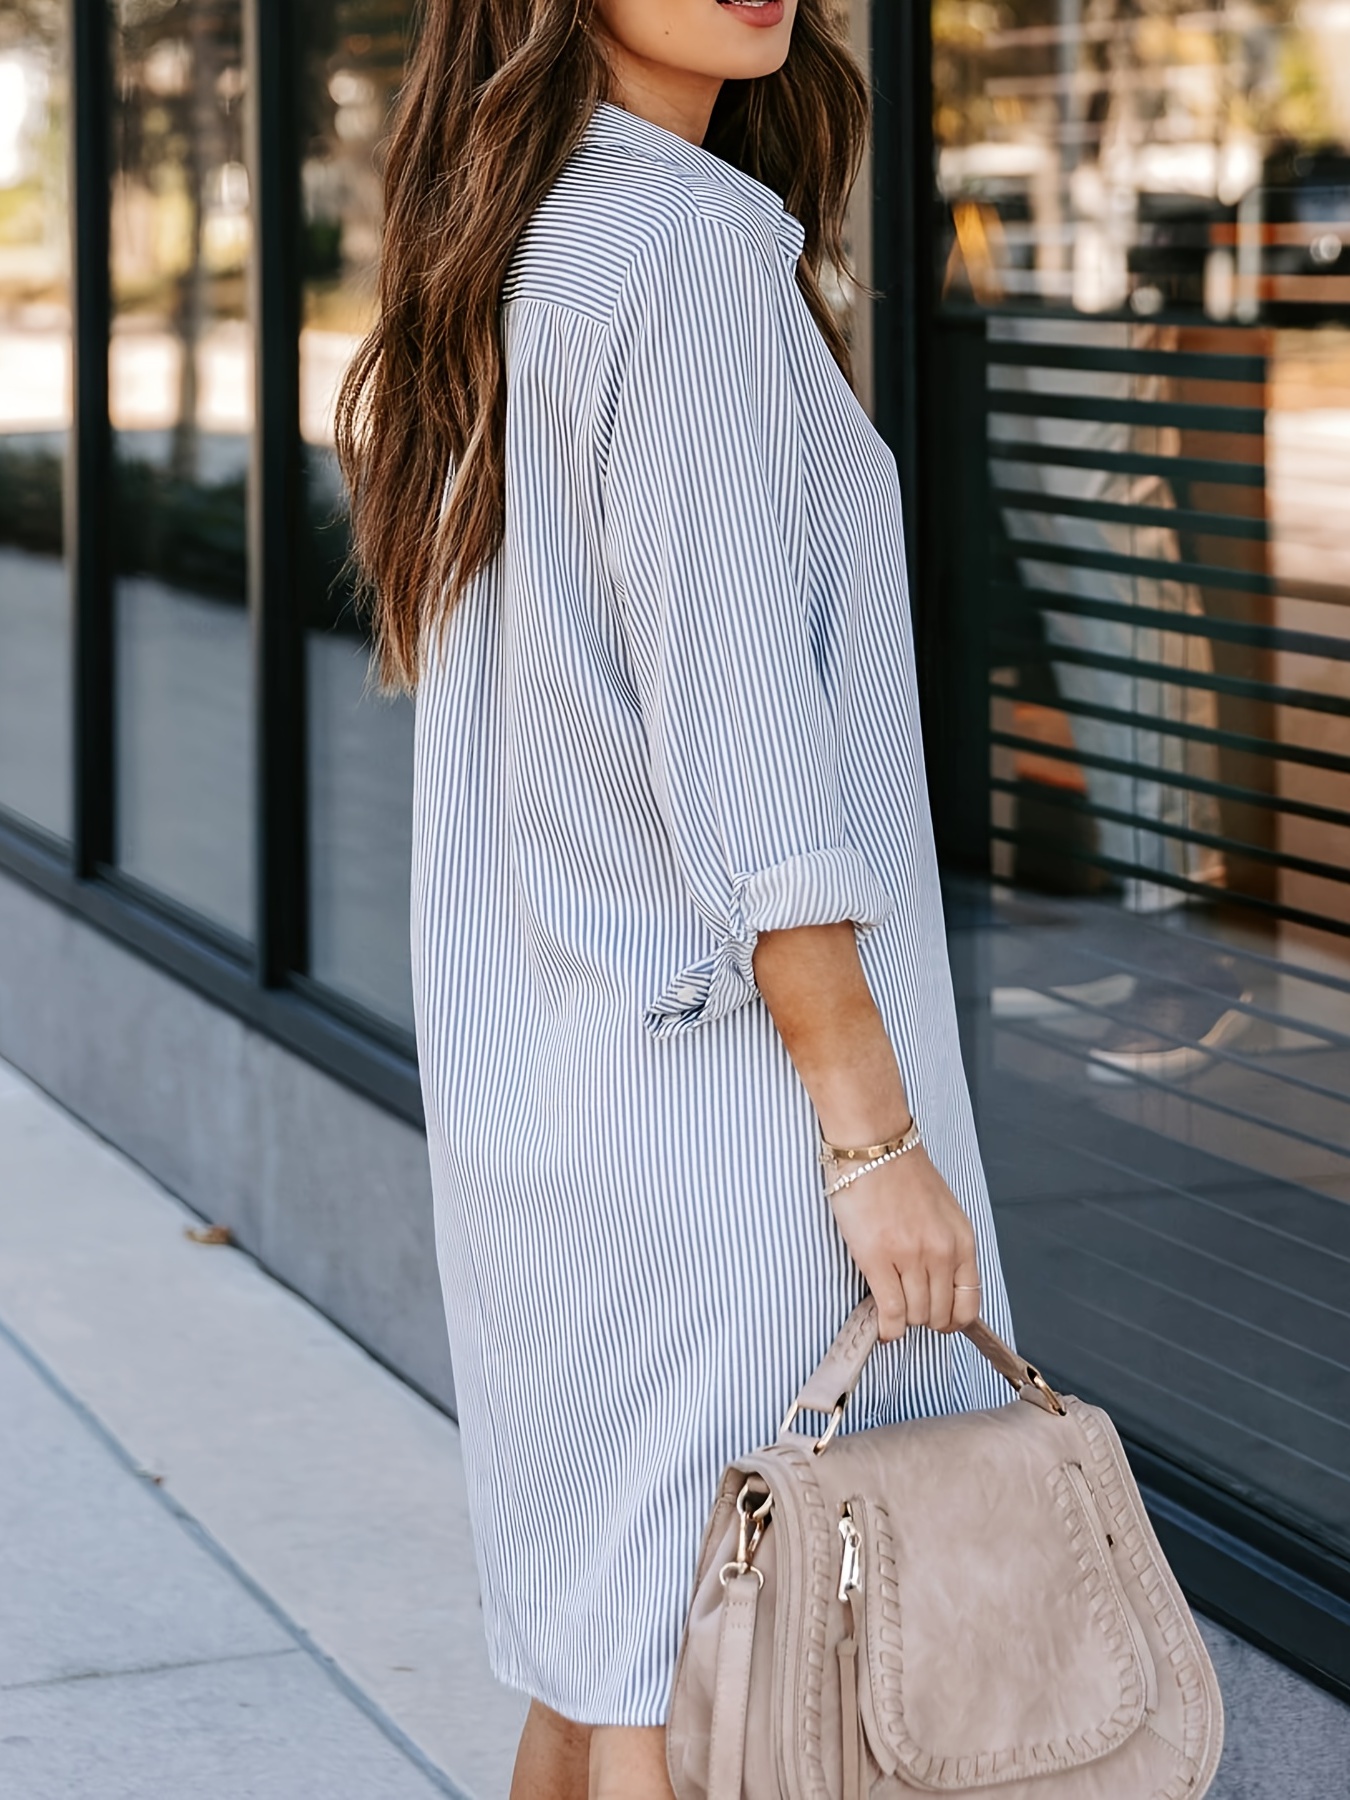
(751, 1521)
(829, 1430)
(1053, 1403)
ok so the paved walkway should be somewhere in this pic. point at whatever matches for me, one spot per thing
(234, 1561)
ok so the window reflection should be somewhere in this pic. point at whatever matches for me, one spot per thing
(1110, 153)
(360, 745)
(1147, 255)
(180, 369)
(34, 417)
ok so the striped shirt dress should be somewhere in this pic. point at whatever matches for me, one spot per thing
(678, 709)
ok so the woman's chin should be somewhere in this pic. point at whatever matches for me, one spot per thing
(754, 40)
(750, 62)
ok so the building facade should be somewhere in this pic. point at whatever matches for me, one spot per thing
(1108, 335)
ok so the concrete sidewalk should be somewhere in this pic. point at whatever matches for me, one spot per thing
(234, 1556)
(234, 1553)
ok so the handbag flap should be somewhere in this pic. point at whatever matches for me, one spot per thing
(999, 1643)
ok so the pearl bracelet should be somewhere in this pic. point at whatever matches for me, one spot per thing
(911, 1141)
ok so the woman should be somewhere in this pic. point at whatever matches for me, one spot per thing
(676, 913)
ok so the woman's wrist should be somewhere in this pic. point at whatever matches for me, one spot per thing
(844, 1168)
(860, 1097)
(812, 981)
(863, 1114)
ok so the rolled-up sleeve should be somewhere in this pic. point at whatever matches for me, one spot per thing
(734, 667)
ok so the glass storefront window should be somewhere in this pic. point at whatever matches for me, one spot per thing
(180, 372)
(1144, 275)
(360, 744)
(35, 410)
(1128, 155)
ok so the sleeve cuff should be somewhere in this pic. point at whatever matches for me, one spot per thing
(822, 887)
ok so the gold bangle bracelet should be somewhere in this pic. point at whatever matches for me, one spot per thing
(864, 1152)
(910, 1141)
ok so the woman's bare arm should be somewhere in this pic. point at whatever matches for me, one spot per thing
(901, 1223)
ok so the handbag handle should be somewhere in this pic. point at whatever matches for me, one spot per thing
(830, 1387)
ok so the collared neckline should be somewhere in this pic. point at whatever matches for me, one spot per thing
(616, 124)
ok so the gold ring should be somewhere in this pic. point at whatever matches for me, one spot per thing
(967, 1287)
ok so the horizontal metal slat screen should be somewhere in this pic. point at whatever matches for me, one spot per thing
(1134, 604)
(1128, 573)
(1161, 1035)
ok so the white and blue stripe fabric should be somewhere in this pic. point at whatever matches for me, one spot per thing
(678, 709)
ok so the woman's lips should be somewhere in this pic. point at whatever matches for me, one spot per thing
(770, 12)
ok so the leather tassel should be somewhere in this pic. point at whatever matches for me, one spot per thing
(849, 1721)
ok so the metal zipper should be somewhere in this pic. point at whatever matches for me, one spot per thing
(850, 1568)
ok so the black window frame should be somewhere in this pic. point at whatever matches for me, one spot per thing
(267, 989)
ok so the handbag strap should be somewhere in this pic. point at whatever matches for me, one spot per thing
(731, 1699)
(829, 1388)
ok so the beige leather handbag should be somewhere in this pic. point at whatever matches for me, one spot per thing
(973, 1604)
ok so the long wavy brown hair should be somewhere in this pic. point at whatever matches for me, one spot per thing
(498, 94)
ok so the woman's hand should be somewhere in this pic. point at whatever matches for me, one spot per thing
(906, 1232)
(913, 1243)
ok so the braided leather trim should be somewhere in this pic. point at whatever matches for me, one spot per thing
(1183, 1651)
(838, 1371)
(807, 1645)
(987, 1768)
(885, 1641)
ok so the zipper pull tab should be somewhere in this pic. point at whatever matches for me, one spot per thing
(850, 1571)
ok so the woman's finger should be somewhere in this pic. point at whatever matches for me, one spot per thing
(940, 1299)
(967, 1294)
(915, 1283)
(892, 1316)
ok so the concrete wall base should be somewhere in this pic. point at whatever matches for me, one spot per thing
(330, 1192)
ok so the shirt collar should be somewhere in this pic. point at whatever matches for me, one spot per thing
(614, 124)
